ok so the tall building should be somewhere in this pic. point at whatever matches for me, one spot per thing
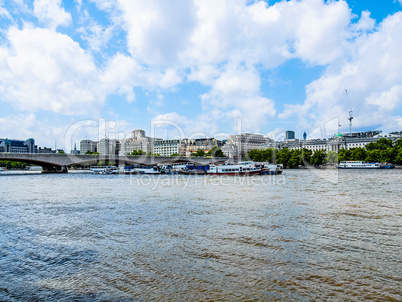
(137, 141)
(88, 146)
(108, 146)
(18, 146)
(290, 135)
(237, 146)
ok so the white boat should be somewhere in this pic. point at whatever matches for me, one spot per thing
(241, 168)
(271, 169)
(35, 168)
(147, 170)
(2, 169)
(104, 170)
(358, 165)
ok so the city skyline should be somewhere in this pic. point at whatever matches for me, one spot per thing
(273, 65)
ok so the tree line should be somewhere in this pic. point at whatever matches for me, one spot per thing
(13, 164)
(383, 150)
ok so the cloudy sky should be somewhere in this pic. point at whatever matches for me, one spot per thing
(77, 69)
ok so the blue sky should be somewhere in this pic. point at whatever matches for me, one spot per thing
(77, 69)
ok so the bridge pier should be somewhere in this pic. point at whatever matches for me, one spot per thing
(54, 169)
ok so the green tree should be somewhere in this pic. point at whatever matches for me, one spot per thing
(306, 156)
(373, 156)
(344, 155)
(398, 144)
(398, 159)
(136, 153)
(358, 154)
(295, 159)
(318, 158)
(199, 153)
(91, 153)
(284, 156)
(174, 154)
(381, 144)
(215, 152)
(332, 157)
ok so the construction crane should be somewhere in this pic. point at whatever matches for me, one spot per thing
(350, 115)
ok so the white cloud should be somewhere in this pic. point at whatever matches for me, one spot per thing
(4, 12)
(157, 30)
(51, 13)
(24, 126)
(122, 73)
(96, 35)
(372, 74)
(79, 4)
(177, 126)
(45, 70)
(237, 94)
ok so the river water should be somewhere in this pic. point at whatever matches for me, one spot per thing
(306, 235)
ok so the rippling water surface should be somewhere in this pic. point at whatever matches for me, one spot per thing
(306, 235)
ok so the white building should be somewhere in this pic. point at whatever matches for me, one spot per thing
(137, 141)
(108, 146)
(167, 147)
(336, 143)
(88, 146)
(237, 146)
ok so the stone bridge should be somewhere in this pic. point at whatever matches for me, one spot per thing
(58, 163)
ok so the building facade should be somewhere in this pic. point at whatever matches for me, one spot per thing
(137, 141)
(237, 146)
(167, 147)
(190, 146)
(88, 146)
(18, 146)
(335, 143)
(108, 146)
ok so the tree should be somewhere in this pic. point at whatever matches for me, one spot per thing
(215, 152)
(136, 153)
(174, 155)
(306, 156)
(91, 153)
(318, 158)
(332, 157)
(358, 154)
(199, 153)
(381, 144)
(344, 155)
(398, 144)
(373, 156)
(284, 156)
(398, 159)
(295, 159)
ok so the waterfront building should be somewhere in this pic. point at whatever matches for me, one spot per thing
(18, 146)
(167, 147)
(190, 146)
(137, 141)
(237, 146)
(108, 146)
(337, 142)
(88, 146)
(46, 150)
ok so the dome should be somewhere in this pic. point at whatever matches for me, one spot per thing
(339, 135)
